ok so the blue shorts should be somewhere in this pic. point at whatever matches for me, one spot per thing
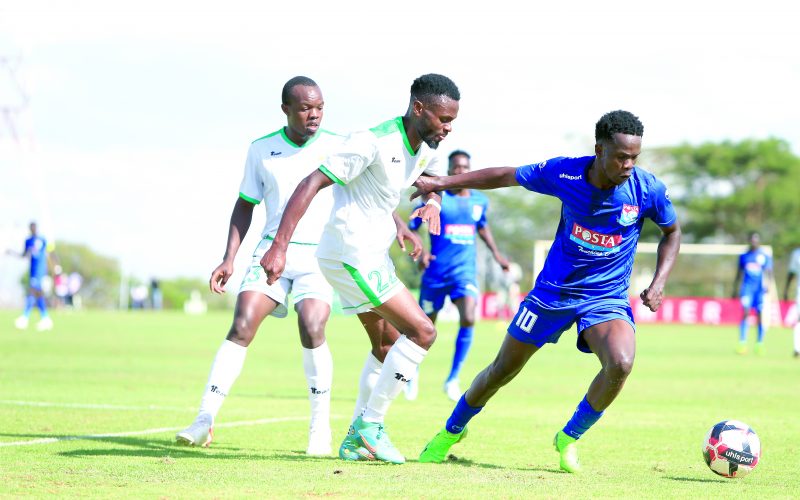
(537, 325)
(754, 299)
(431, 298)
(35, 282)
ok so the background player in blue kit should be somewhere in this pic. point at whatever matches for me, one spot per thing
(753, 273)
(449, 267)
(37, 250)
(605, 199)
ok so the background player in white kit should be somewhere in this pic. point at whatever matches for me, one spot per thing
(276, 163)
(794, 271)
(371, 171)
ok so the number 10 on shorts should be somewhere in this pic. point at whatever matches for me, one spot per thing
(525, 319)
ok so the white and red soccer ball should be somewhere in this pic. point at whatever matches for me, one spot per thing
(732, 449)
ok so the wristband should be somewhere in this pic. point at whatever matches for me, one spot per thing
(434, 203)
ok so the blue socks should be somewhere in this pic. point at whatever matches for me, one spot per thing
(463, 343)
(761, 332)
(584, 417)
(41, 303)
(743, 330)
(29, 301)
(461, 415)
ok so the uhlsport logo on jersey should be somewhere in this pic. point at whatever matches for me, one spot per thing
(629, 214)
(596, 241)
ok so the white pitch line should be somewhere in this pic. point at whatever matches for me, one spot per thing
(90, 406)
(150, 431)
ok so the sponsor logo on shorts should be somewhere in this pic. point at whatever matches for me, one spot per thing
(275, 153)
(401, 377)
(395, 160)
(314, 390)
(593, 240)
(216, 390)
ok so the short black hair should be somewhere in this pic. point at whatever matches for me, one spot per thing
(303, 81)
(458, 152)
(432, 85)
(617, 122)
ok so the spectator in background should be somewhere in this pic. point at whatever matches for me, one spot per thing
(156, 298)
(139, 295)
(36, 248)
(751, 283)
(794, 270)
(74, 284)
(60, 289)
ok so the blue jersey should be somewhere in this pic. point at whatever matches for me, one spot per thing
(36, 247)
(754, 265)
(454, 248)
(592, 253)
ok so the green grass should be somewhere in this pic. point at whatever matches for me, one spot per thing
(148, 371)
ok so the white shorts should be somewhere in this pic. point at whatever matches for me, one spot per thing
(364, 288)
(301, 277)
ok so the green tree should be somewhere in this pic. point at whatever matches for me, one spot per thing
(101, 274)
(724, 190)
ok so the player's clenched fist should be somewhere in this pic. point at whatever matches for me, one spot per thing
(652, 297)
(273, 262)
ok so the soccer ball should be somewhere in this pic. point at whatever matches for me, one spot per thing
(732, 449)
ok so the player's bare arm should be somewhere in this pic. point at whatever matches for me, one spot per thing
(487, 178)
(241, 217)
(486, 235)
(668, 248)
(274, 260)
(405, 234)
(429, 212)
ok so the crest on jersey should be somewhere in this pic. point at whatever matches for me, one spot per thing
(477, 212)
(629, 215)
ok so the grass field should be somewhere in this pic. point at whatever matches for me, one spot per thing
(90, 409)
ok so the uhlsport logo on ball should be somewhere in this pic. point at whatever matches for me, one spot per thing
(732, 449)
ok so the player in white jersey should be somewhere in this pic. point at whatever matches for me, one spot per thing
(276, 163)
(370, 172)
(794, 271)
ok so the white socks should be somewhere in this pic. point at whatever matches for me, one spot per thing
(369, 376)
(225, 370)
(399, 366)
(797, 336)
(318, 367)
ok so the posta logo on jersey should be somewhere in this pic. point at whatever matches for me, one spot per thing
(629, 214)
(594, 240)
(460, 234)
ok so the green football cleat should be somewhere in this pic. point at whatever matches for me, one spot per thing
(351, 449)
(741, 348)
(567, 447)
(759, 350)
(373, 436)
(436, 451)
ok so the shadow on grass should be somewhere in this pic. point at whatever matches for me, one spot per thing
(695, 480)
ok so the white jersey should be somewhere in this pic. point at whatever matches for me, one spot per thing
(274, 168)
(794, 267)
(371, 173)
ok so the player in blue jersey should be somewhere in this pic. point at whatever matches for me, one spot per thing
(751, 284)
(605, 199)
(449, 267)
(36, 248)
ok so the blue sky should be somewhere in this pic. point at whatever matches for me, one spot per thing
(140, 114)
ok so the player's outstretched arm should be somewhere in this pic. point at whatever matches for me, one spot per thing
(241, 217)
(486, 235)
(274, 260)
(668, 248)
(487, 178)
(789, 277)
